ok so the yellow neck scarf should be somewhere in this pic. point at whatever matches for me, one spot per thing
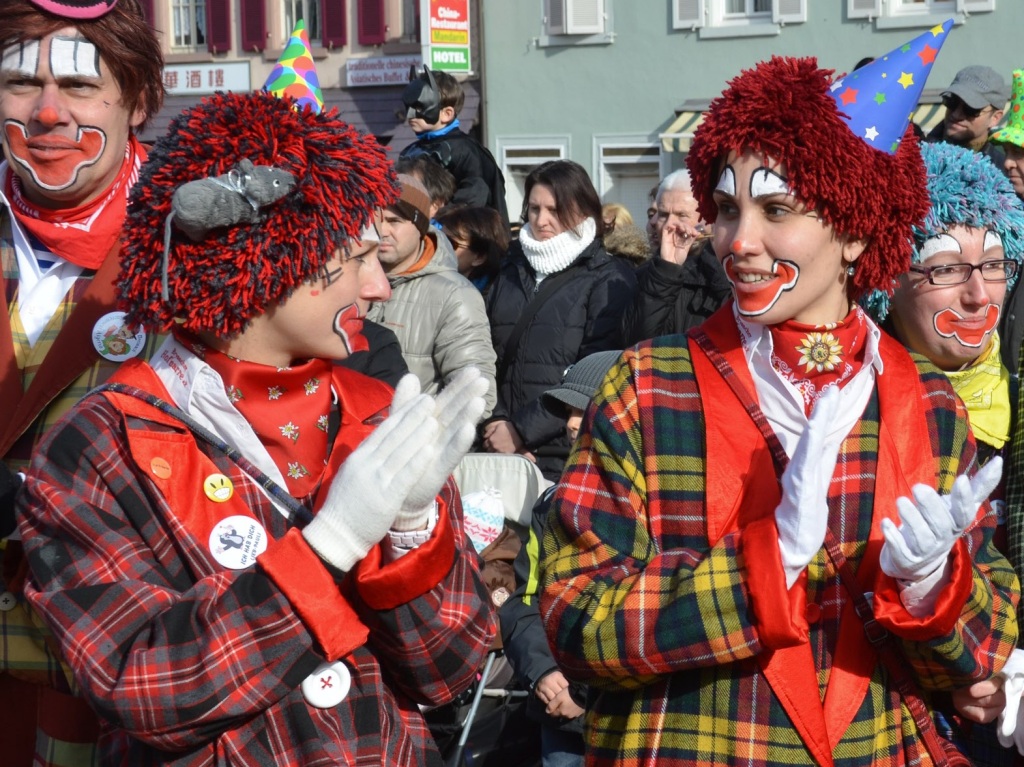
(985, 389)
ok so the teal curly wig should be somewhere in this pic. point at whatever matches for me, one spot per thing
(965, 188)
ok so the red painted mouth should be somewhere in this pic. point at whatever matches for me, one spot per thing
(349, 327)
(755, 298)
(970, 332)
(54, 162)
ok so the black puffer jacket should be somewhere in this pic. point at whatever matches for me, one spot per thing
(673, 298)
(583, 316)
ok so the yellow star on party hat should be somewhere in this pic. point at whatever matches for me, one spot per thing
(295, 75)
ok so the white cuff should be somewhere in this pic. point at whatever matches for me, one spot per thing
(919, 597)
(402, 542)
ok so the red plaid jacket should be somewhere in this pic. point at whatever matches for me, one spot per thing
(189, 663)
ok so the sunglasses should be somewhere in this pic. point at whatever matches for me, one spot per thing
(954, 105)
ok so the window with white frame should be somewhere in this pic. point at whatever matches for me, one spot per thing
(923, 6)
(721, 18)
(303, 10)
(627, 172)
(915, 12)
(747, 8)
(188, 19)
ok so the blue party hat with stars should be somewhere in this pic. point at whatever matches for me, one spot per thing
(878, 100)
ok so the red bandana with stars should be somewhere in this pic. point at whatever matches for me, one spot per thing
(813, 357)
(287, 408)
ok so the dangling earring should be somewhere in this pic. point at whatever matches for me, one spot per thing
(849, 270)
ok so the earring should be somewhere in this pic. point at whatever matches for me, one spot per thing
(849, 270)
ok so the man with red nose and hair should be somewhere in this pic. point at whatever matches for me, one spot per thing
(247, 553)
(77, 80)
(744, 503)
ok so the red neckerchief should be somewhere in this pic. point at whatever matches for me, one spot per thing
(813, 357)
(82, 235)
(287, 408)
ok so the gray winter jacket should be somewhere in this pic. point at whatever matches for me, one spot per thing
(439, 318)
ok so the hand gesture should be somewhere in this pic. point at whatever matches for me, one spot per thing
(376, 479)
(932, 523)
(802, 514)
(676, 239)
(457, 410)
(1011, 729)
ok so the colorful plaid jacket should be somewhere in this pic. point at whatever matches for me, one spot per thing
(662, 585)
(189, 663)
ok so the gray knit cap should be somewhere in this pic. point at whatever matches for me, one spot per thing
(580, 381)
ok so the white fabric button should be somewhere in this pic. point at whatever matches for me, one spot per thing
(7, 601)
(328, 685)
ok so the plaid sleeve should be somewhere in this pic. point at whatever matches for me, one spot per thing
(434, 644)
(623, 602)
(974, 627)
(172, 662)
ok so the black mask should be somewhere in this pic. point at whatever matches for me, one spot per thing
(421, 98)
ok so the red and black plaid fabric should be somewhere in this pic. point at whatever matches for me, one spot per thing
(189, 663)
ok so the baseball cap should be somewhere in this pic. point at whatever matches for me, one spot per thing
(978, 87)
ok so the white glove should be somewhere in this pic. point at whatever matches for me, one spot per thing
(802, 514)
(375, 480)
(1011, 729)
(457, 409)
(932, 523)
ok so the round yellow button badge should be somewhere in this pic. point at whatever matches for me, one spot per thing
(218, 488)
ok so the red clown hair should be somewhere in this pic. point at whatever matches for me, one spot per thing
(781, 109)
(236, 273)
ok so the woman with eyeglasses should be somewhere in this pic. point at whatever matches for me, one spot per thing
(947, 308)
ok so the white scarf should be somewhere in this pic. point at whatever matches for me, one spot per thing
(552, 256)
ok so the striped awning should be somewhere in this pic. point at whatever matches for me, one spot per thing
(679, 134)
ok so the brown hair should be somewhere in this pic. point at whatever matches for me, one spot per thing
(126, 41)
(449, 91)
(481, 230)
(574, 193)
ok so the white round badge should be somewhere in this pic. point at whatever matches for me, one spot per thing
(114, 340)
(328, 685)
(236, 541)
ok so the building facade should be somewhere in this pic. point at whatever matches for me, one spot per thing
(362, 49)
(620, 85)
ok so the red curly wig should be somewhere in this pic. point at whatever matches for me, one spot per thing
(234, 274)
(782, 109)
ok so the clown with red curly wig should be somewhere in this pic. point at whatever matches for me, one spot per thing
(248, 553)
(746, 504)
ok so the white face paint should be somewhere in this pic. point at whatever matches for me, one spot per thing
(765, 183)
(940, 243)
(727, 182)
(74, 57)
(992, 240)
(21, 59)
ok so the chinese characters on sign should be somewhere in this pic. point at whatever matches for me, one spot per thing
(189, 79)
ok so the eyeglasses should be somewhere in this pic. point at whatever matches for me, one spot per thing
(957, 274)
(954, 104)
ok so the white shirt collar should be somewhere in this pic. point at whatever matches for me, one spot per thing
(782, 402)
(198, 389)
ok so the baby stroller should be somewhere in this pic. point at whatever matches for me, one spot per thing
(487, 725)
